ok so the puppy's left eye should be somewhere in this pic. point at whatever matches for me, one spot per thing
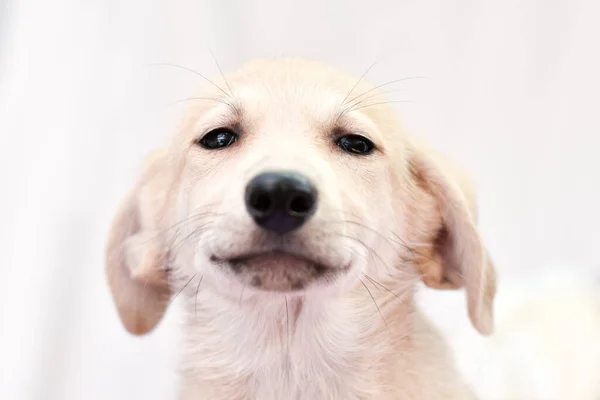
(356, 144)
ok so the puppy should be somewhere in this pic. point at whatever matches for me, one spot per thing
(295, 216)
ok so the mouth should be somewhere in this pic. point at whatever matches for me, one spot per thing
(277, 271)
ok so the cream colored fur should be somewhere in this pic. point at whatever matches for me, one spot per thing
(396, 216)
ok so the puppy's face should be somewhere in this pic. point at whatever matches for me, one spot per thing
(291, 178)
(287, 189)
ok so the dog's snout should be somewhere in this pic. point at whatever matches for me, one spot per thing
(281, 201)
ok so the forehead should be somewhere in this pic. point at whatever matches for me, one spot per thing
(293, 90)
(292, 101)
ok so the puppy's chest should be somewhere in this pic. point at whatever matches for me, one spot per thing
(301, 369)
(309, 374)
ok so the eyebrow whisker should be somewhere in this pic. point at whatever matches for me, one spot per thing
(359, 80)
(192, 71)
(381, 103)
(386, 84)
(215, 99)
(221, 72)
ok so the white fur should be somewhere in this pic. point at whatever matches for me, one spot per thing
(383, 222)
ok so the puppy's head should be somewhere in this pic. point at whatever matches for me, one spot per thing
(286, 178)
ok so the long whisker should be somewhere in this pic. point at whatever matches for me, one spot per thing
(221, 72)
(183, 223)
(176, 245)
(414, 248)
(359, 80)
(381, 103)
(181, 290)
(374, 282)
(242, 294)
(196, 297)
(386, 84)
(287, 321)
(374, 95)
(369, 250)
(178, 226)
(192, 71)
(374, 302)
(215, 99)
(191, 218)
(366, 227)
(396, 239)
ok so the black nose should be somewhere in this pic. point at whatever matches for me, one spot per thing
(280, 201)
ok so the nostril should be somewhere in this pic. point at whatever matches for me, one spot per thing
(301, 204)
(260, 201)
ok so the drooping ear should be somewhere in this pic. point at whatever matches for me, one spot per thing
(136, 262)
(459, 257)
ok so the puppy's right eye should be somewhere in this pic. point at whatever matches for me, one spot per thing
(218, 139)
(356, 144)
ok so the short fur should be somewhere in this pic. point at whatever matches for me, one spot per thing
(390, 218)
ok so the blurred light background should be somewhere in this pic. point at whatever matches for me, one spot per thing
(512, 92)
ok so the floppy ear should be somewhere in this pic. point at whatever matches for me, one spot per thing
(459, 257)
(136, 262)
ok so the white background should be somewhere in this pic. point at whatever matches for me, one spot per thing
(512, 92)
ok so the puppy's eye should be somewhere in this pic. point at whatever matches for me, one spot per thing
(218, 139)
(356, 144)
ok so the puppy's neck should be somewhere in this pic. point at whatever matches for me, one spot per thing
(284, 342)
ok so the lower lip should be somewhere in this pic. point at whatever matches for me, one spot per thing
(279, 271)
(276, 260)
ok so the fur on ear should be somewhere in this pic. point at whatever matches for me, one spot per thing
(136, 259)
(458, 257)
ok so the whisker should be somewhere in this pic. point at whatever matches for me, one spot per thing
(370, 251)
(374, 302)
(181, 290)
(374, 282)
(221, 72)
(242, 294)
(363, 226)
(196, 298)
(176, 246)
(382, 103)
(287, 321)
(396, 240)
(215, 99)
(191, 218)
(192, 71)
(386, 84)
(359, 80)
(178, 226)
(372, 96)
(413, 249)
